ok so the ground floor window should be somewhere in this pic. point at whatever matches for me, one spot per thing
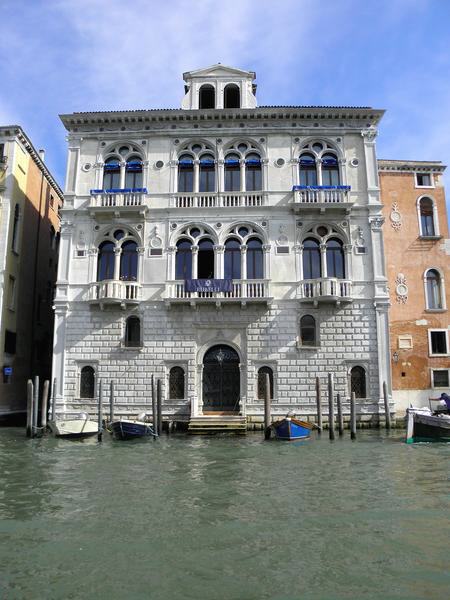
(358, 382)
(87, 382)
(440, 378)
(262, 378)
(176, 383)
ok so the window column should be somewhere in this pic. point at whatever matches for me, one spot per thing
(196, 175)
(244, 262)
(218, 261)
(266, 250)
(194, 251)
(123, 168)
(220, 175)
(348, 260)
(242, 166)
(323, 260)
(117, 253)
(140, 265)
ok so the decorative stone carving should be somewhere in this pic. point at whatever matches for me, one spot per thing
(155, 240)
(369, 134)
(282, 239)
(395, 217)
(401, 289)
(376, 223)
(360, 241)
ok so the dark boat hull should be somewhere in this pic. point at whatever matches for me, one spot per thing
(127, 430)
(428, 428)
(292, 429)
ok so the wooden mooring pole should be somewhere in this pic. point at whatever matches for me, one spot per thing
(330, 406)
(44, 405)
(111, 402)
(159, 405)
(154, 409)
(340, 415)
(54, 399)
(353, 416)
(387, 412)
(267, 415)
(35, 406)
(30, 399)
(319, 405)
(100, 412)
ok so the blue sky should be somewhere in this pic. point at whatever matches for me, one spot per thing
(60, 56)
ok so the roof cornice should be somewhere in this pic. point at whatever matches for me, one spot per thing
(17, 132)
(411, 166)
(308, 114)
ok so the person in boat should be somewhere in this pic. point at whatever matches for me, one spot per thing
(444, 404)
(445, 398)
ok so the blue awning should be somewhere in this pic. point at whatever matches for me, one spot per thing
(253, 162)
(112, 166)
(232, 161)
(321, 187)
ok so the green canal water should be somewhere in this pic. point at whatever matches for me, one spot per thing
(224, 518)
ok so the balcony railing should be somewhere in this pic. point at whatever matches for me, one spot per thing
(325, 289)
(321, 194)
(255, 290)
(112, 291)
(218, 200)
(117, 198)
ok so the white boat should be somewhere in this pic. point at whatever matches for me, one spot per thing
(424, 425)
(79, 426)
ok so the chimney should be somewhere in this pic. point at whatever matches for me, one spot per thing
(42, 154)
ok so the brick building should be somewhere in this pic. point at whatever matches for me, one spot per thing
(417, 249)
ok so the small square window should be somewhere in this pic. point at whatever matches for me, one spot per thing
(283, 250)
(80, 253)
(438, 342)
(423, 179)
(440, 378)
(404, 342)
(10, 342)
(156, 252)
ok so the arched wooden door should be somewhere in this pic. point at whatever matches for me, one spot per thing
(221, 379)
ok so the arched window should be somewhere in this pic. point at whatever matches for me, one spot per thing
(15, 234)
(308, 171)
(255, 262)
(205, 264)
(330, 170)
(232, 259)
(111, 174)
(133, 173)
(133, 332)
(207, 96)
(183, 260)
(105, 263)
(176, 383)
(232, 173)
(262, 372)
(207, 180)
(129, 261)
(427, 227)
(311, 259)
(434, 290)
(231, 96)
(335, 259)
(253, 179)
(87, 382)
(308, 331)
(185, 173)
(358, 382)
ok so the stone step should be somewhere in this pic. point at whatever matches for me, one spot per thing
(209, 424)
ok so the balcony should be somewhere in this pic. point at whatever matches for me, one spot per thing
(113, 291)
(325, 290)
(242, 290)
(118, 201)
(321, 197)
(218, 200)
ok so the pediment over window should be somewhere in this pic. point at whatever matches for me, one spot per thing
(218, 70)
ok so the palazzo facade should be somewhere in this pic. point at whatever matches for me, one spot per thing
(216, 243)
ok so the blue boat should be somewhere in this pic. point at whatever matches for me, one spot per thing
(127, 429)
(291, 429)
